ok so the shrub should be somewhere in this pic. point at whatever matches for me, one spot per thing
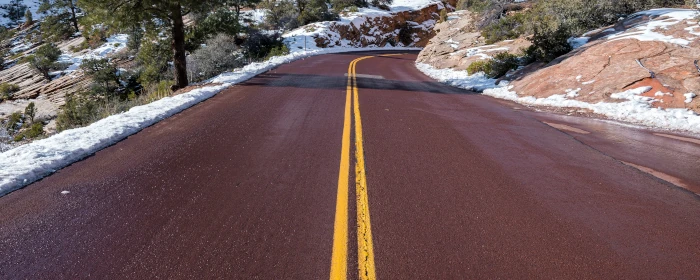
(220, 54)
(221, 21)
(102, 72)
(28, 18)
(502, 63)
(136, 34)
(79, 110)
(14, 122)
(44, 60)
(405, 35)
(258, 45)
(443, 15)
(7, 90)
(154, 56)
(480, 66)
(34, 131)
(30, 111)
(510, 27)
(278, 51)
(550, 44)
(495, 67)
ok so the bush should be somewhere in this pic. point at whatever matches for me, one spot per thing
(221, 54)
(549, 44)
(222, 21)
(405, 35)
(153, 57)
(14, 122)
(7, 90)
(277, 51)
(258, 45)
(502, 63)
(28, 18)
(102, 72)
(34, 131)
(44, 60)
(79, 110)
(480, 66)
(506, 28)
(30, 111)
(280, 15)
(496, 67)
(443, 15)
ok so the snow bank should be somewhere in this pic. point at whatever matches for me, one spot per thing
(26, 164)
(476, 82)
(634, 109)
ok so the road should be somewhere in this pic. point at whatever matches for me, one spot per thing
(306, 173)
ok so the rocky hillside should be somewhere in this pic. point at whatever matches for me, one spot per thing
(411, 27)
(655, 49)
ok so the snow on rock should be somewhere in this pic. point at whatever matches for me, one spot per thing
(689, 97)
(578, 42)
(371, 27)
(25, 164)
(652, 30)
(634, 108)
(114, 44)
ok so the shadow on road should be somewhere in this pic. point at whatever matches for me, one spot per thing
(340, 83)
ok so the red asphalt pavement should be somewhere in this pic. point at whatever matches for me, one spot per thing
(460, 185)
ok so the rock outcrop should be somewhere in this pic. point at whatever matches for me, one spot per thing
(369, 29)
(631, 54)
(458, 44)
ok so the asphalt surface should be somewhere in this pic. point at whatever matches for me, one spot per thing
(459, 185)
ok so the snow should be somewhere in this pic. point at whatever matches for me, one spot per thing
(25, 164)
(114, 44)
(255, 16)
(476, 82)
(406, 5)
(588, 82)
(571, 93)
(578, 42)
(633, 107)
(689, 97)
(32, 5)
(661, 19)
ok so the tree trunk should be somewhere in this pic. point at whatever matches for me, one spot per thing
(73, 18)
(178, 45)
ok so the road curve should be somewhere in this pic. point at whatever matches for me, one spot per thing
(459, 185)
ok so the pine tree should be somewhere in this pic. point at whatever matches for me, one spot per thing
(61, 11)
(125, 13)
(28, 18)
(14, 11)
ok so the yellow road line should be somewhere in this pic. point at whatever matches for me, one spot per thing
(339, 259)
(365, 249)
(365, 252)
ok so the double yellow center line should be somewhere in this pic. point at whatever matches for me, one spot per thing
(365, 251)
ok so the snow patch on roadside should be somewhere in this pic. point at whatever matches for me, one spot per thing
(476, 82)
(28, 163)
(634, 108)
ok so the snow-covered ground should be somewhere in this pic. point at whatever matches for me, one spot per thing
(26, 164)
(114, 44)
(32, 5)
(633, 108)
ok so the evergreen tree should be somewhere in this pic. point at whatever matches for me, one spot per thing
(238, 4)
(61, 12)
(44, 60)
(167, 13)
(14, 11)
(28, 18)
